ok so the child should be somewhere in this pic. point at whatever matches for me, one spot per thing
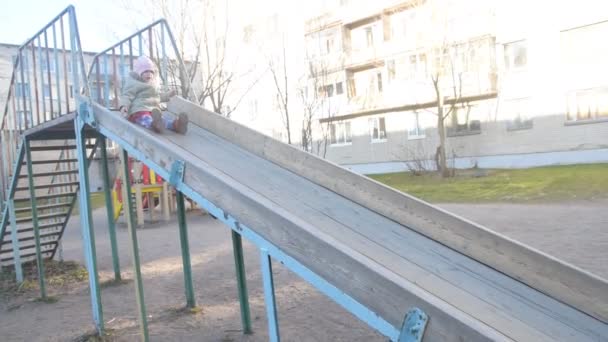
(140, 100)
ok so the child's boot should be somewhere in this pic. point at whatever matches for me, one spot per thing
(157, 121)
(181, 124)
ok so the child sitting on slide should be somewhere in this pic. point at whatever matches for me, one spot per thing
(141, 98)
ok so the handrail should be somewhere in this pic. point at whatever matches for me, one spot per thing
(135, 45)
(32, 88)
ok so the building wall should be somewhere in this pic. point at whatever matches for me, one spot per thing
(550, 83)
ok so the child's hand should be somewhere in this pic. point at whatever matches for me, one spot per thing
(124, 111)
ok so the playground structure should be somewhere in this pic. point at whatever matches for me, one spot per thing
(146, 188)
(408, 269)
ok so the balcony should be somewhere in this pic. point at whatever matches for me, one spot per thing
(418, 91)
(362, 58)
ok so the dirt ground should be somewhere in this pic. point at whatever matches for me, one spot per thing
(575, 232)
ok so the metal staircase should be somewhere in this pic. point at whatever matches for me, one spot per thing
(48, 73)
(56, 190)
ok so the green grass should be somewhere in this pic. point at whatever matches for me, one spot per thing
(543, 184)
(97, 201)
(58, 274)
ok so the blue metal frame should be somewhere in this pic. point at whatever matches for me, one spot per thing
(185, 247)
(109, 207)
(241, 279)
(32, 188)
(347, 302)
(271, 306)
(15, 242)
(10, 193)
(86, 226)
(413, 326)
(177, 173)
(139, 285)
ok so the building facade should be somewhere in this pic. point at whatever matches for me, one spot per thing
(520, 87)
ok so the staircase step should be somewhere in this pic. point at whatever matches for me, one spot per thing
(31, 229)
(47, 186)
(42, 217)
(28, 255)
(57, 147)
(51, 161)
(44, 207)
(21, 248)
(29, 238)
(50, 174)
(46, 197)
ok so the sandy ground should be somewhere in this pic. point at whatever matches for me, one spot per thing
(575, 232)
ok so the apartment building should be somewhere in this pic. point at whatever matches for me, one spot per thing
(523, 86)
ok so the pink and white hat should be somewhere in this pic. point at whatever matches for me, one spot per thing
(143, 64)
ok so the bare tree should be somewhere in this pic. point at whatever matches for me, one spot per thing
(323, 67)
(444, 74)
(315, 105)
(201, 29)
(445, 62)
(281, 83)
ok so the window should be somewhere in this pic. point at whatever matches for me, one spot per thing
(72, 92)
(22, 89)
(328, 46)
(46, 90)
(461, 122)
(409, 25)
(416, 66)
(390, 69)
(326, 91)
(340, 133)
(23, 61)
(247, 34)
(329, 90)
(415, 130)
(377, 129)
(352, 90)
(516, 55)
(516, 114)
(46, 63)
(589, 104)
(339, 88)
(580, 50)
(379, 78)
(23, 119)
(369, 36)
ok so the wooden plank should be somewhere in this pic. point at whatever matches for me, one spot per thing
(569, 284)
(359, 276)
(478, 290)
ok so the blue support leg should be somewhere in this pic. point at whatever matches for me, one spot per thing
(271, 307)
(86, 225)
(239, 262)
(15, 241)
(139, 283)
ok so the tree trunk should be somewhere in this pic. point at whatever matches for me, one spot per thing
(443, 165)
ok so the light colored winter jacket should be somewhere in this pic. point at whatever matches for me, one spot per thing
(140, 96)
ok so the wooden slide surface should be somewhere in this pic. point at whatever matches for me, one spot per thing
(387, 250)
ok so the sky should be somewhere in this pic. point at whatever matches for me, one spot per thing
(101, 23)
